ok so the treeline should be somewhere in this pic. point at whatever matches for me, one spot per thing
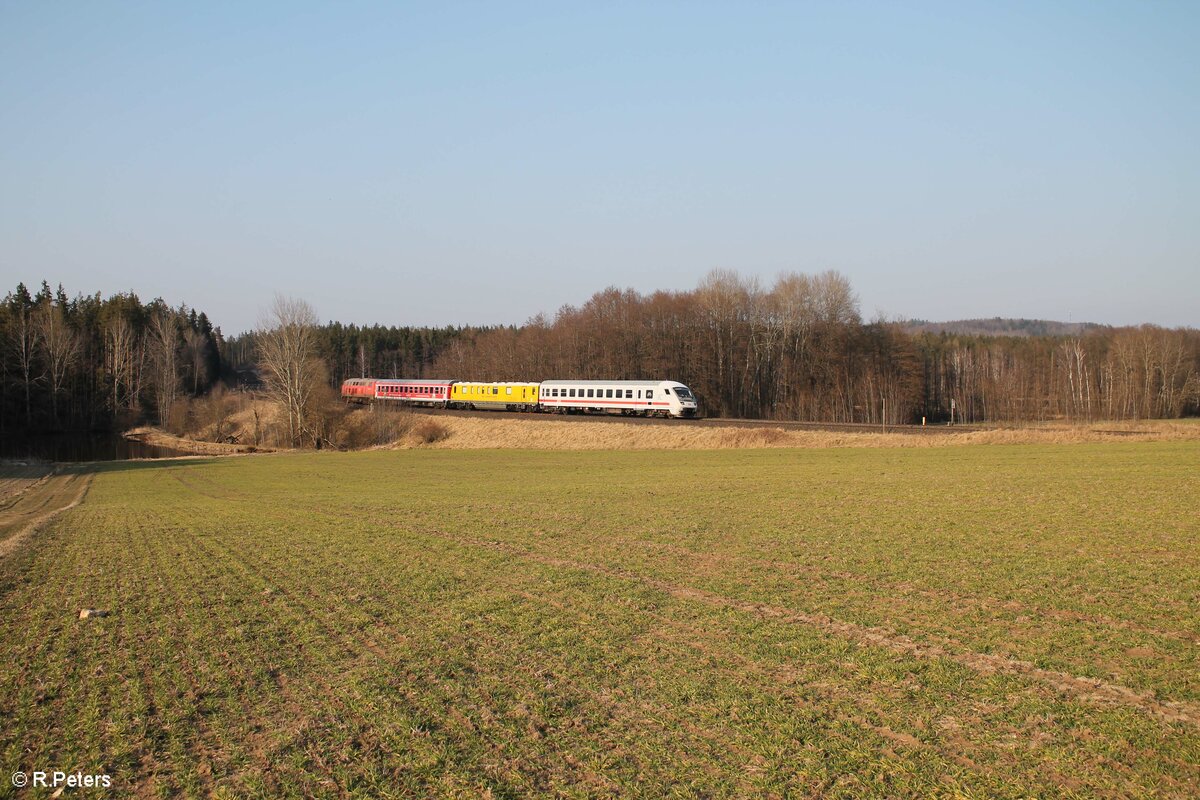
(796, 349)
(799, 349)
(1146, 372)
(85, 363)
(354, 351)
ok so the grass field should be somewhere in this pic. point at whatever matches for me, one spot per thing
(988, 621)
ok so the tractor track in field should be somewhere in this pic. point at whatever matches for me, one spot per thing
(38, 504)
(713, 422)
(17, 479)
(1092, 689)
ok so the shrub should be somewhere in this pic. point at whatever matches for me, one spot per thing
(428, 431)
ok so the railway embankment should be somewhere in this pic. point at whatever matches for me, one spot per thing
(366, 428)
(536, 433)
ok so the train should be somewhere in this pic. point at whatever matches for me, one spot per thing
(630, 398)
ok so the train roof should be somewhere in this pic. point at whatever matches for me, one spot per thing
(634, 384)
(426, 381)
(496, 383)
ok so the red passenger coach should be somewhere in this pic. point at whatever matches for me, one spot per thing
(358, 390)
(420, 392)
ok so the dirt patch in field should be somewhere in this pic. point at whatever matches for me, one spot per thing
(472, 433)
(38, 504)
(17, 477)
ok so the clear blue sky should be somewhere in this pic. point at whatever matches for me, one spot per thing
(441, 163)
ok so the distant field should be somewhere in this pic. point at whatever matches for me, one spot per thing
(986, 621)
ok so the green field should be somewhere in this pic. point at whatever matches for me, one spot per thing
(976, 621)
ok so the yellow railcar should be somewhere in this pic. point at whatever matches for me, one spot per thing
(495, 396)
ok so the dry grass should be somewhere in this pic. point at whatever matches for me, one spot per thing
(367, 427)
(160, 438)
(473, 433)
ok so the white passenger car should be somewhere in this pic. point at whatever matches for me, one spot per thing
(647, 398)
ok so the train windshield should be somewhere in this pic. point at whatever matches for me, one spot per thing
(683, 392)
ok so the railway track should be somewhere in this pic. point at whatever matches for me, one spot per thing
(840, 427)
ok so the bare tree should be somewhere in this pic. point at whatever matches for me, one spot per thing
(119, 345)
(195, 347)
(60, 347)
(287, 354)
(216, 411)
(23, 346)
(163, 343)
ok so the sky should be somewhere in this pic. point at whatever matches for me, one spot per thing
(479, 163)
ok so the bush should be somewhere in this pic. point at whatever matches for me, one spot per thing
(428, 431)
(372, 426)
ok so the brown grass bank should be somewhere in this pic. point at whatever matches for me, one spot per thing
(252, 426)
(160, 438)
(468, 433)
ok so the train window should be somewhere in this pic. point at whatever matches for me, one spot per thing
(609, 392)
(628, 393)
(649, 393)
(591, 393)
(508, 390)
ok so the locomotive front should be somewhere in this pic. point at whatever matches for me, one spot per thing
(683, 402)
